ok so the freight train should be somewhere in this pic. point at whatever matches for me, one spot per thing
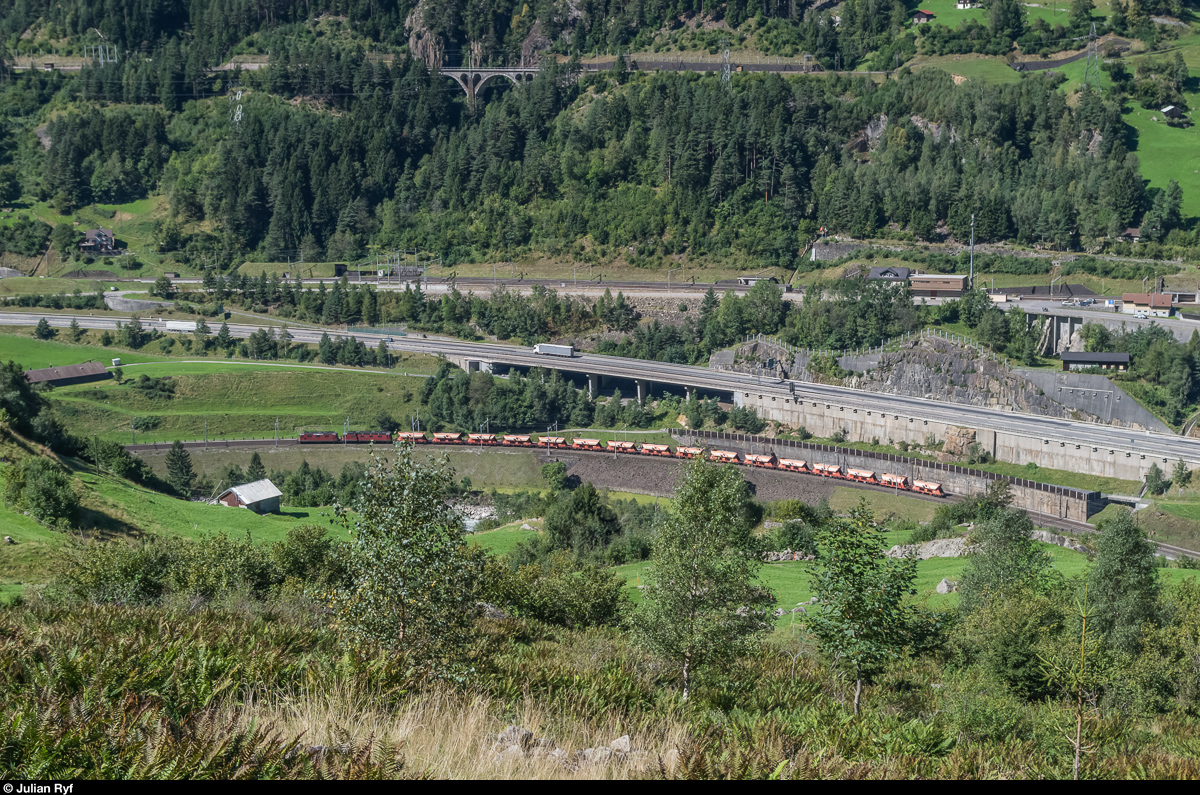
(768, 461)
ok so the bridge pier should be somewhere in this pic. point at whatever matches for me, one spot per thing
(593, 385)
(643, 389)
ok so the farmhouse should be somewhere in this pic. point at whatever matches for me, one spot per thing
(71, 374)
(261, 496)
(1172, 111)
(890, 274)
(922, 17)
(98, 241)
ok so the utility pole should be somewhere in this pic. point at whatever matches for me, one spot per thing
(1091, 70)
(206, 434)
(276, 431)
(971, 279)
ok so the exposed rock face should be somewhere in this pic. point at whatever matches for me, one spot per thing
(933, 129)
(422, 42)
(938, 548)
(958, 441)
(1046, 537)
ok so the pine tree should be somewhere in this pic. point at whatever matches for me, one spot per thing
(43, 331)
(256, 470)
(201, 336)
(702, 599)
(76, 332)
(180, 474)
(1155, 484)
(1180, 474)
(224, 340)
(1123, 582)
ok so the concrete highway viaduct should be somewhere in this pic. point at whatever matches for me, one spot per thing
(1009, 436)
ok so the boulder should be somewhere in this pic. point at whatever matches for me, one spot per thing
(488, 610)
(947, 586)
(515, 735)
(509, 754)
(621, 744)
(1046, 537)
(938, 548)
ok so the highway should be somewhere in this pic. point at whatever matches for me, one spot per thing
(1031, 426)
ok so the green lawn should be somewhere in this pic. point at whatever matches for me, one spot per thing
(502, 540)
(946, 14)
(237, 401)
(790, 581)
(32, 285)
(114, 508)
(1169, 153)
(991, 69)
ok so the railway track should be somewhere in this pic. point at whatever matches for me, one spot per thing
(1041, 519)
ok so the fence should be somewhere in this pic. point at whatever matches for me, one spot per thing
(1065, 491)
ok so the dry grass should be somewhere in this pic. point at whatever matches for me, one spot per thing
(447, 734)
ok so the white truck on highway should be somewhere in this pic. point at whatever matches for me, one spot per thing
(554, 350)
(182, 326)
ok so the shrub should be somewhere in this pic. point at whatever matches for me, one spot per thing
(42, 488)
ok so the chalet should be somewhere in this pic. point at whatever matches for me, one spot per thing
(1072, 360)
(98, 241)
(890, 274)
(1132, 234)
(261, 496)
(967, 5)
(922, 17)
(937, 285)
(1172, 111)
(1153, 304)
(66, 376)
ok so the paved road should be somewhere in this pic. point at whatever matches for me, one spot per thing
(1031, 426)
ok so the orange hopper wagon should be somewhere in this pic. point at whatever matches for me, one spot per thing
(586, 444)
(447, 438)
(793, 465)
(860, 475)
(623, 447)
(924, 487)
(895, 481)
(688, 452)
(724, 457)
(656, 449)
(515, 441)
(765, 461)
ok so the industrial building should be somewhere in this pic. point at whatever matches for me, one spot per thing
(937, 285)
(1078, 360)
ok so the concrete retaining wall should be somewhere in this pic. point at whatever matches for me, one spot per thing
(1122, 460)
(1059, 501)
